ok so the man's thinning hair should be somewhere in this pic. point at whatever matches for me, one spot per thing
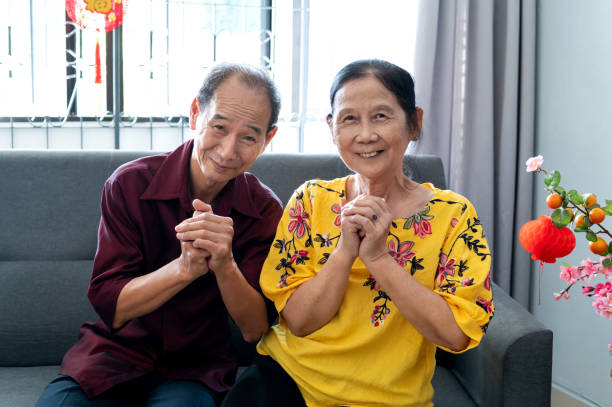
(251, 76)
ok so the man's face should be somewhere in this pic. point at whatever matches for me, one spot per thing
(231, 130)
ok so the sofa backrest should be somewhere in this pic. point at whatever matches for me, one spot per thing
(49, 215)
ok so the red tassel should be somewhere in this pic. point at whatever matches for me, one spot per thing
(540, 272)
(98, 67)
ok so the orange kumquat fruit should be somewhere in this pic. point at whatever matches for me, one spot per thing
(579, 221)
(554, 200)
(589, 200)
(599, 246)
(596, 215)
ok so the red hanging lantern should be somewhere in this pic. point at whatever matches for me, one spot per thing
(546, 242)
(97, 15)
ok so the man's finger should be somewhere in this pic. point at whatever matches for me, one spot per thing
(201, 206)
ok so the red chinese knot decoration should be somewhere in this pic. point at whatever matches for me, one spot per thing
(99, 15)
(546, 242)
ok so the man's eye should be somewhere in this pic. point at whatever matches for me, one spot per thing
(348, 118)
(380, 116)
(218, 127)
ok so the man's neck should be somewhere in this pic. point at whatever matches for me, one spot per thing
(200, 186)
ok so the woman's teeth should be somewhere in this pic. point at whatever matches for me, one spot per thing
(368, 155)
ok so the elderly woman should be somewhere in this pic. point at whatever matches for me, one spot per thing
(371, 272)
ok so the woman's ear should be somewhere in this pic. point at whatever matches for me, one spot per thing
(331, 126)
(419, 113)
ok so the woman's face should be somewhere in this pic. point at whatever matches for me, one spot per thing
(370, 128)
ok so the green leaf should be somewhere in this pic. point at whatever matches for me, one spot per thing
(610, 247)
(607, 262)
(590, 236)
(561, 191)
(608, 209)
(560, 218)
(608, 202)
(582, 228)
(565, 264)
(552, 179)
(575, 197)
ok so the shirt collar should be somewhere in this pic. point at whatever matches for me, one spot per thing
(236, 195)
(172, 179)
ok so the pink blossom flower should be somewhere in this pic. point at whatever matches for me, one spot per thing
(603, 306)
(403, 253)
(298, 221)
(534, 163)
(570, 274)
(558, 296)
(610, 347)
(422, 228)
(603, 290)
(337, 209)
(606, 271)
(445, 268)
(589, 269)
(487, 282)
(587, 289)
(298, 255)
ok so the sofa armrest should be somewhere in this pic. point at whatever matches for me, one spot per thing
(513, 364)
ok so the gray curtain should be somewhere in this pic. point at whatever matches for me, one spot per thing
(475, 79)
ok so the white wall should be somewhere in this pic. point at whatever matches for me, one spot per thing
(574, 134)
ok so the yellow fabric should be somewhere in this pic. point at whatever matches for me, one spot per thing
(369, 354)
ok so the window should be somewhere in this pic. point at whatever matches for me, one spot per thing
(161, 54)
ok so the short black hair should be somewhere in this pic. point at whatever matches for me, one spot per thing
(251, 76)
(397, 80)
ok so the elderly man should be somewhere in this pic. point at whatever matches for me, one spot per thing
(181, 242)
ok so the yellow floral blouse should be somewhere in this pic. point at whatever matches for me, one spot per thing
(369, 354)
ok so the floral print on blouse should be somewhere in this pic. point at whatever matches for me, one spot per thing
(443, 246)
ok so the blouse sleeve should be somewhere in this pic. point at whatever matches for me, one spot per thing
(290, 261)
(463, 277)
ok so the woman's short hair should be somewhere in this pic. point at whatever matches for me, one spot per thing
(250, 75)
(397, 80)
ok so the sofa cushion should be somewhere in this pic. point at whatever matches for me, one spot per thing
(43, 305)
(283, 173)
(51, 201)
(448, 391)
(22, 386)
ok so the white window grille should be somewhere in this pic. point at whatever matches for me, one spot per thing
(161, 54)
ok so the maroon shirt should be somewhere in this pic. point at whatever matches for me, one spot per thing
(187, 337)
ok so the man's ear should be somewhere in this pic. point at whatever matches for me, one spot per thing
(269, 137)
(194, 112)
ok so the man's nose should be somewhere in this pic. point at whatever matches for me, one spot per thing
(229, 147)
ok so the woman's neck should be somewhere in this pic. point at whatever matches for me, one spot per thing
(390, 189)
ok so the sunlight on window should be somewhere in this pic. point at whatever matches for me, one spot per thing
(47, 65)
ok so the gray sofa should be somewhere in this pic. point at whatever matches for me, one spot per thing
(49, 213)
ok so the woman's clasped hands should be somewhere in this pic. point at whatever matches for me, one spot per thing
(365, 225)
